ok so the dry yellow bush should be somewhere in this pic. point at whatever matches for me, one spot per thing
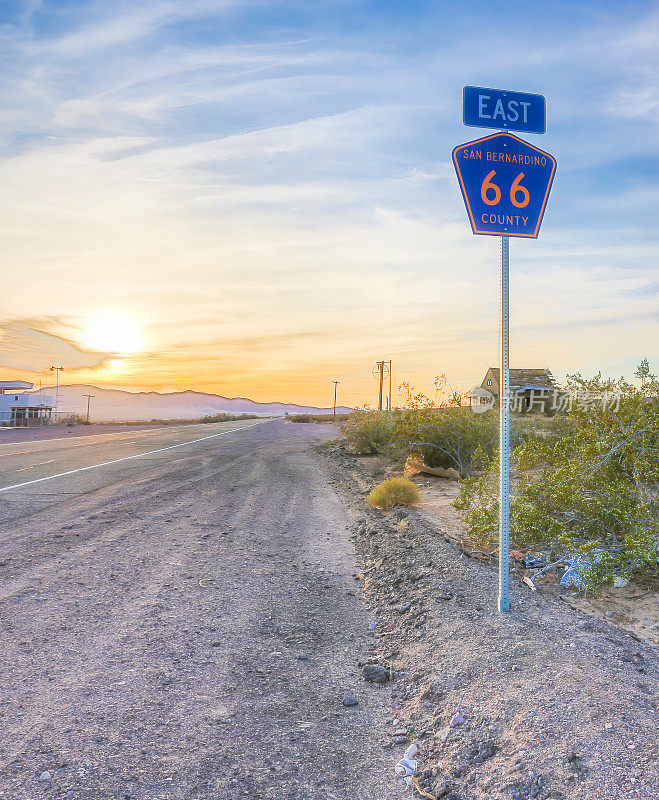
(394, 492)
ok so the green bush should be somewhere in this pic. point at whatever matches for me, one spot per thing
(447, 437)
(368, 432)
(226, 417)
(451, 437)
(589, 483)
(325, 419)
(394, 492)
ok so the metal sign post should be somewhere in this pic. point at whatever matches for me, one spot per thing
(505, 183)
(504, 431)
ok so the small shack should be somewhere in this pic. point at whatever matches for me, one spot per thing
(530, 389)
(21, 408)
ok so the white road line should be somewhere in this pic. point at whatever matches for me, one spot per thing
(32, 466)
(128, 458)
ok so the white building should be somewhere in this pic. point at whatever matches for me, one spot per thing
(22, 409)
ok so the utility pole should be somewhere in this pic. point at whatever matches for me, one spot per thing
(89, 397)
(381, 365)
(380, 374)
(56, 370)
(390, 388)
(335, 385)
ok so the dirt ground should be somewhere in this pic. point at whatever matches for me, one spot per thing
(553, 702)
(633, 608)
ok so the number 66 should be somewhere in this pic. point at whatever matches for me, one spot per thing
(515, 190)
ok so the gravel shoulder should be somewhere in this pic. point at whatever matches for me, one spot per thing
(552, 702)
(190, 633)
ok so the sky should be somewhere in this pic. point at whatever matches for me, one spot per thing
(256, 197)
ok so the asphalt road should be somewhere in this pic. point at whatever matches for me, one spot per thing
(43, 469)
(182, 621)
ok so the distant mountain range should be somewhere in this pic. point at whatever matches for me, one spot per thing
(120, 406)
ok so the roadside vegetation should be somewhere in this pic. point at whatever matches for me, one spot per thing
(585, 488)
(326, 419)
(448, 437)
(585, 482)
(73, 419)
(224, 417)
(394, 492)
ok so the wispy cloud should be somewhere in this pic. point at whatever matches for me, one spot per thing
(27, 345)
(128, 21)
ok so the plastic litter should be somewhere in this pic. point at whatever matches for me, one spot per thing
(411, 751)
(574, 568)
(406, 767)
(576, 565)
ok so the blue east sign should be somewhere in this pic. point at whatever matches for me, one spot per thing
(501, 108)
(505, 183)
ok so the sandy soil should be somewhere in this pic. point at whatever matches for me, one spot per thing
(554, 703)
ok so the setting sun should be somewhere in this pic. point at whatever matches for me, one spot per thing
(112, 332)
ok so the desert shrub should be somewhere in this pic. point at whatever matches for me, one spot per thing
(394, 492)
(223, 416)
(368, 432)
(72, 419)
(451, 437)
(589, 484)
(326, 419)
